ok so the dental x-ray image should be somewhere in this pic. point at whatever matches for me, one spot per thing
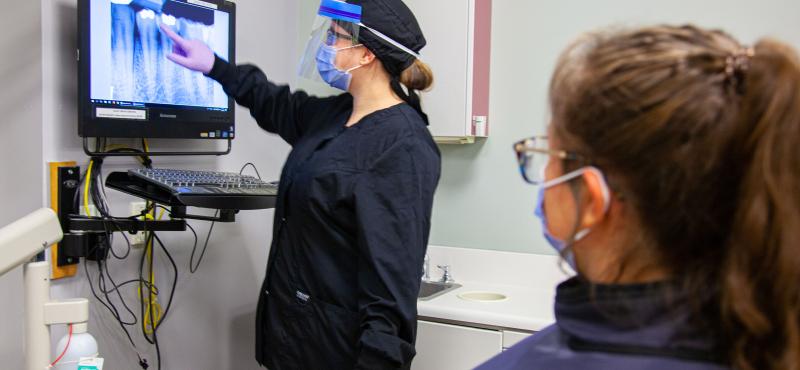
(139, 70)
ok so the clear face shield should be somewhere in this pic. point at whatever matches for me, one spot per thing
(335, 29)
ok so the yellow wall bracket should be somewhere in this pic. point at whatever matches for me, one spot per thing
(62, 271)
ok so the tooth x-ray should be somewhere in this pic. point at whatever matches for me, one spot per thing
(132, 54)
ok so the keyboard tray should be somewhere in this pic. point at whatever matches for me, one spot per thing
(133, 185)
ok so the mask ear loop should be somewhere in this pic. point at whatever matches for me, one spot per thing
(604, 188)
(606, 193)
(346, 48)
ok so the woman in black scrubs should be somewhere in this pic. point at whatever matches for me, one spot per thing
(354, 205)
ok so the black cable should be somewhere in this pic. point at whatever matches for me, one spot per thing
(171, 296)
(91, 286)
(192, 267)
(124, 283)
(254, 168)
(97, 191)
(194, 247)
(101, 283)
(174, 280)
(99, 198)
(119, 293)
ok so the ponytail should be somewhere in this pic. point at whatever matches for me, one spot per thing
(417, 77)
(760, 275)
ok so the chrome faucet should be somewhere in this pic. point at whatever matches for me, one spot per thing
(447, 278)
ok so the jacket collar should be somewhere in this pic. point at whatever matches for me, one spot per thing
(646, 319)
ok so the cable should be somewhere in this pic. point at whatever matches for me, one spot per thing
(192, 267)
(93, 187)
(175, 276)
(152, 314)
(96, 189)
(91, 286)
(69, 339)
(103, 267)
(254, 168)
(154, 339)
(194, 247)
(86, 188)
(120, 285)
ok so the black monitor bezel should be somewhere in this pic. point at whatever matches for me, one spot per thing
(190, 124)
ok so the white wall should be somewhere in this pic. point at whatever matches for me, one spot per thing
(21, 151)
(481, 201)
(211, 322)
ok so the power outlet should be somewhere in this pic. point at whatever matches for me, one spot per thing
(137, 240)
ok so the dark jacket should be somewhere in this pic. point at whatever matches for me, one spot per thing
(351, 228)
(607, 327)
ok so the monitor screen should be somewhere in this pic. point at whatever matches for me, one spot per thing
(128, 87)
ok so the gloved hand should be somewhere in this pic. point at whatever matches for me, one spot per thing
(192, 54)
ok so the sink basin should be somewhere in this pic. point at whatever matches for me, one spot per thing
(483, 296)
(432, 289)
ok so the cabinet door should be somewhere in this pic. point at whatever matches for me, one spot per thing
(446, 25)
(510, 338)
(453, 347)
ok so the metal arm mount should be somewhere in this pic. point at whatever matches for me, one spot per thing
(83, 235)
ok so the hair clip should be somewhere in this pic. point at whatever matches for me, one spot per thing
(739, 61)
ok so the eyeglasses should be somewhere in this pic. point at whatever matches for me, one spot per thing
(533, 154)
(332, 37)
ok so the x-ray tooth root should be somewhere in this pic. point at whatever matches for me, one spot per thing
(142, 71)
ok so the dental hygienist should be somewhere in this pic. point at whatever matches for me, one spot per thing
(669, 182)
(354, 205)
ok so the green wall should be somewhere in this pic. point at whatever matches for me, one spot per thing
(481, 201)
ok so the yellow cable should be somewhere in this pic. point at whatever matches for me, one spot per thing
(152, 300)
(86, 188)
(146, 145)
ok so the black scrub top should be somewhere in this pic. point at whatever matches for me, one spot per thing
(351, 228)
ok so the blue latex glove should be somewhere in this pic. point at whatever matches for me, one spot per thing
(192, 54)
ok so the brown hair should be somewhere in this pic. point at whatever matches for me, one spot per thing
(418, 76)
(702, 136)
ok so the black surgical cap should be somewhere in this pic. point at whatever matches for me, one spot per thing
(393, 19)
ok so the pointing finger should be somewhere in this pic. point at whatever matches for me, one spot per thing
(172, 35)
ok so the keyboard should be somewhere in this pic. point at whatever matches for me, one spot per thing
(206, 189)
(205, 182)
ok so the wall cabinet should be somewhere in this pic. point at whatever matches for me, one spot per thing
(458, 50)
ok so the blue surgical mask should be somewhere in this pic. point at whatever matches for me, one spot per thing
(326, 65)
(558, 244)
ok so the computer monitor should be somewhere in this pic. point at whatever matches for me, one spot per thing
(128, 87)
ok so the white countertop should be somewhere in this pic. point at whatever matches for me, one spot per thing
(528, 280)
(525, 308)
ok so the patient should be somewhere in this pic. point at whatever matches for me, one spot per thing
(670, 180)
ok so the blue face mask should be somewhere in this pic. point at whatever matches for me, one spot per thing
(558, 244)
(326, 65)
